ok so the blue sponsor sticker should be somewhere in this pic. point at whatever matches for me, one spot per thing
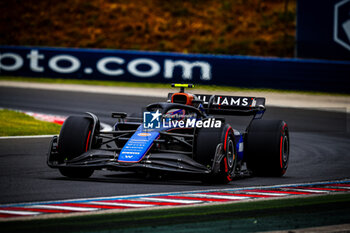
(137, 146)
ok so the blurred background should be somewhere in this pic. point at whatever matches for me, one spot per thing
(274, 44)
(245, 27)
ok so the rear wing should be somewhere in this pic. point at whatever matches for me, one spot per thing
(230, 105)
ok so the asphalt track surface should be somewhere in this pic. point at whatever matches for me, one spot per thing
(320, 145)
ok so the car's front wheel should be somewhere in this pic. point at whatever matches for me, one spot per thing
(74, 139)
(215, 148)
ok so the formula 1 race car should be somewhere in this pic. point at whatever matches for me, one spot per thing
(180, 136)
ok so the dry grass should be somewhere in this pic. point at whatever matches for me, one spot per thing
(248, 27)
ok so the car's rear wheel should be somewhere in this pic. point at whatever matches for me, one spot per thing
(212, 141)
(267, 147)
(74, 140)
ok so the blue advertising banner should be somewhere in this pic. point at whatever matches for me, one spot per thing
(135, 66)
(323, 29)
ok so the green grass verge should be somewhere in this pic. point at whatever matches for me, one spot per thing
(238, 217)
(14, 123)
(159, 85)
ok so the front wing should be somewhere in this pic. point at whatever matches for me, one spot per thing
(108, 159)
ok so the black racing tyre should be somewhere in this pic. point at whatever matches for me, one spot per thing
(205, 146)
(73, 141)
(267, 147)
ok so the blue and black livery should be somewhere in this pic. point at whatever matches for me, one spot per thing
(213, 154)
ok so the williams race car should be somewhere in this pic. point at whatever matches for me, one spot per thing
(181, 136)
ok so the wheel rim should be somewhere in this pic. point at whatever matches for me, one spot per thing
(230, 154)
(285, 150)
